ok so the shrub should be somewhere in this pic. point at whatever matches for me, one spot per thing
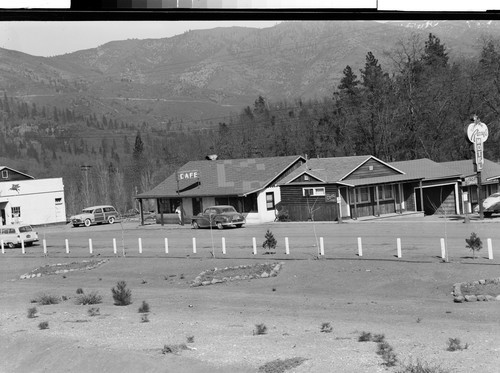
(190, 339)
(386, 351)
(378, 338)
(93, 311)
(79, 291)
(91, 298)
(270, 242)
(280, 366)
(144, 308)
(474, 243)
(32, 311)
(43, 325)
(46, 299)
(174, 349)
(365, 337)
(454, 344)
(121, 295)
(326, 327)
(260, 329)
(420, 367)
(145, 318)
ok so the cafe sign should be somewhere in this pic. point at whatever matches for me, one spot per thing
(470, 180)
(188, 175)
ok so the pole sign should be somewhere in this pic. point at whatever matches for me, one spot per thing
(188, 175)
(477, 132)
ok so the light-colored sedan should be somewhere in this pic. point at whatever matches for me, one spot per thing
(13, 235)
(490, 205)
(218, 216)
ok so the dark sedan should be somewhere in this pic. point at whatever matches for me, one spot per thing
(218, 216)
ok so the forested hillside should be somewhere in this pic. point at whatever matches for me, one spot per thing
(415, 105)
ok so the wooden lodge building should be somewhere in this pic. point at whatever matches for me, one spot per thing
(321, 188)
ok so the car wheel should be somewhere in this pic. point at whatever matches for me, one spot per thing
(239, 225)
(219, 225)
(111, 219)
(28, 243)
(87, 222)
(10, 245)
(488, 214)
(195, 225)
(76, 225)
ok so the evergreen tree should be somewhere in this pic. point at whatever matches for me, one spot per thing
(435, 54)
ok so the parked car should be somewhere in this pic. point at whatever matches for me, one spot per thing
(12, 235)
(218, 216)
(95, 215)
(490, 205)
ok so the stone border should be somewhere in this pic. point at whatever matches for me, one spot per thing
(459, 298)
(198, 280)
(92, 264)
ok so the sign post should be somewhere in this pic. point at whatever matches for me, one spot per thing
(477, 132)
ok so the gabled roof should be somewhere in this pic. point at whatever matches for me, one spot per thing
(491, 170)
(427, 169)
(225, 177)
(15, 171)
(336, 169)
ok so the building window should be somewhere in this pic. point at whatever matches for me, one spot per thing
(270, 201)
(5, 174)
(362, 195)
(313, 192)
(385, 192)
(58, 201)
(16, 212)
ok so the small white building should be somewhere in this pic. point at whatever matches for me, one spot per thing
(24, 199)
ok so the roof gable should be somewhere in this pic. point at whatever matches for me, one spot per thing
(9, 174)
(372, 167)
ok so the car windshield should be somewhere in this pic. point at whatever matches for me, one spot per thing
(228, 209)
(24, 229)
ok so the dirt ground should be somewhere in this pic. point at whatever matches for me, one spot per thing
(409, 302)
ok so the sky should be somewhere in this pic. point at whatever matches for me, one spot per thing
(42, 38)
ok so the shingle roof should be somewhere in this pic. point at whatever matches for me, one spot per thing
(225, 177)
(426, 168)
(491, 170)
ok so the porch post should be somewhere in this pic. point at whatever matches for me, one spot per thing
(355, 205)
(401, 198)
(141, 211)
(421, 197)
(457, 199)
(376, 197)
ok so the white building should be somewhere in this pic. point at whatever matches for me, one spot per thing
(24, 199)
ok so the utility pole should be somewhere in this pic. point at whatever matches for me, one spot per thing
(85, 169)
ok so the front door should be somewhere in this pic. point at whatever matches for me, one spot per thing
(98, 215)
(196, 205)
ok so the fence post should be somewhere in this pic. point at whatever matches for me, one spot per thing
(360, 247)
(23, 249)
(398, 244)
(254, 243)
(443, 249)
(3, 247)
(114, 246)
(140, 245)
(66, 243)
(166, 245)
(224, 245)
(490, 249)
(194, 245)
(44, 247)
(90, 246)
(287, 247)
(321, 247)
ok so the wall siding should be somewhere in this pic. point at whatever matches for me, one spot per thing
(298, 206)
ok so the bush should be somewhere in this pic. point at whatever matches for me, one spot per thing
(46, 299)
(280, 366)
(79, 291)
(260, 329)
(91, 298)
(174, 349)
(43, 325)
(326, 328)
(145, 318)
(386, 351)
(93, 311)
(365, 337)
(270, 242)
(121, 295)
(32, 311)
(378, 338)
(144, 308)
(454, 344)
(474, 243)
(420, 367)
(190, 339)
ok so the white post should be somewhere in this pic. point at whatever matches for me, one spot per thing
(443, 249)
(224, 245)
(140, 245)
(90, 246)
(166, 245)
(66, 243)
(360, 247)
(194, 245)
(44, 247)
(254, 243)
(23, 250)
(114, 246)
(490, 249)
(3, 248)
(287, 247)
(321, 247)
(398, 244)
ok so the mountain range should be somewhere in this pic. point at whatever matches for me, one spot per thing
(205, 75)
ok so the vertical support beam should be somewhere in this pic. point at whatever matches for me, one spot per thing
(377, 198)
(355, 205)
(141, 211)
(421, 197)
(401, 198)
(360, 247)
(166, 245)
(398, 244)
(490, 249)
(480, 195)
(457, 199)
(287, 247)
